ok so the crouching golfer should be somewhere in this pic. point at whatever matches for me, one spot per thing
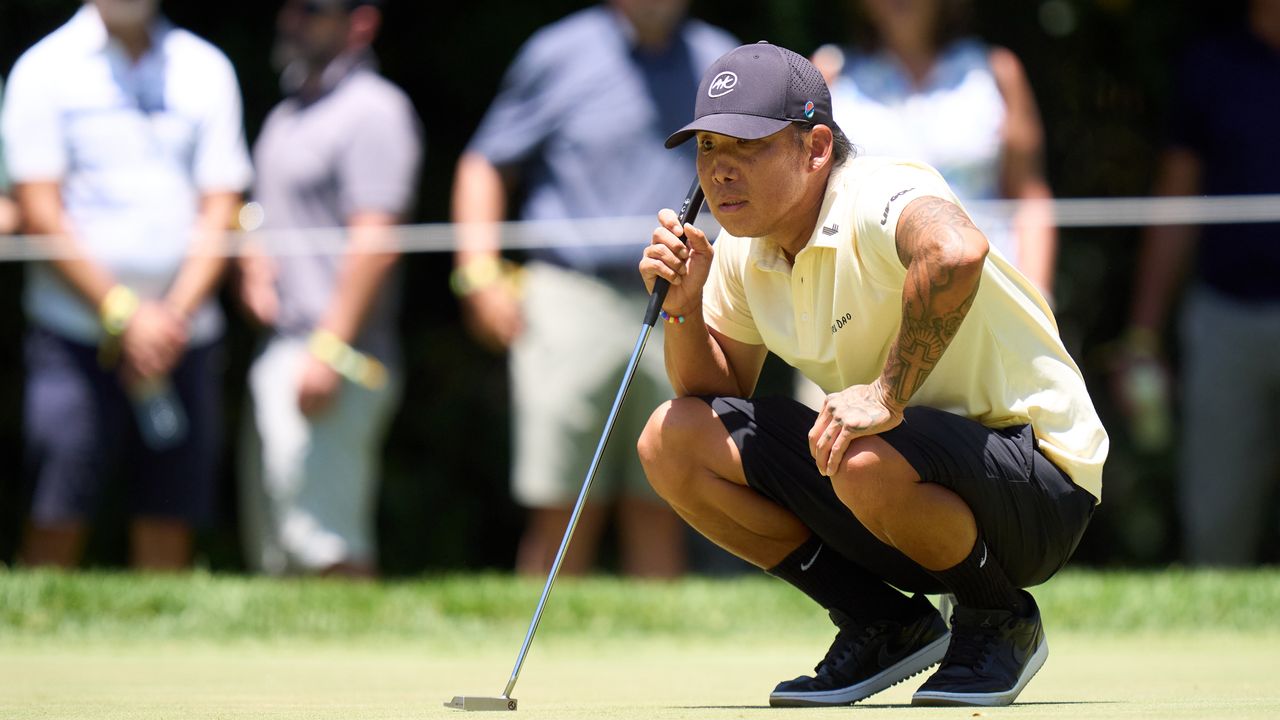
(957, 450)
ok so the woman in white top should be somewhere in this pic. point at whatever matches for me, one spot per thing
(914, 86)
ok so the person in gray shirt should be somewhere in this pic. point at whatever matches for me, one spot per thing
(342, 151)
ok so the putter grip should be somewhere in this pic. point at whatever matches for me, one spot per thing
(688, 213)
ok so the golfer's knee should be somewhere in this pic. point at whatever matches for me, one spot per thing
(668, 445)
(862, 483)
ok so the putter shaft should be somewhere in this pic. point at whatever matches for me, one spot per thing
(688, 213)
(577, 507)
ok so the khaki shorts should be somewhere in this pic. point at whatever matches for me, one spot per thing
(566, 369)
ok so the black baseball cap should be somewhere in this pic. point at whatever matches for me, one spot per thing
(753, 91)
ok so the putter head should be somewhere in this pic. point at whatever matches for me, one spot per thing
(478, 703)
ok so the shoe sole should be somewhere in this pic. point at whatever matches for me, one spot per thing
(908, 667)
(992, 699)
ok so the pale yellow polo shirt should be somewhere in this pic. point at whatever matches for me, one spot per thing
(834, 315)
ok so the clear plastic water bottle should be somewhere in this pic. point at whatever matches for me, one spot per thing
(162, 421)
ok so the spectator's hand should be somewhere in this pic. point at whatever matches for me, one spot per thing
(8, 216)
(318, 387)
(493, 316)
(1141, 384)
(258, 288)
(153, 341)
(684, 266)
(852, 413)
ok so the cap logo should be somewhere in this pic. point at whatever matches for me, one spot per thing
(808, 109)
(723, 84)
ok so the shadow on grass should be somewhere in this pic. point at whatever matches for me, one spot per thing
(1038, 703)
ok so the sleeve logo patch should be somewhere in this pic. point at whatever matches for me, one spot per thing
(885, 218)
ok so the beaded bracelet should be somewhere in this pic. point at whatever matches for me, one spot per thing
(671, 319)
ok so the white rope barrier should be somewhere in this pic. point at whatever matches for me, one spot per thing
(444, 237)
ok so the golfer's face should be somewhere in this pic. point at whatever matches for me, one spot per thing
(751, 185)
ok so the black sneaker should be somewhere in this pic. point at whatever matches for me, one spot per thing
(867, 658)
(993, 655)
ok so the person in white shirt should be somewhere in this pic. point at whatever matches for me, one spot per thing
(918, 87)
(957, 449)
(125, 145)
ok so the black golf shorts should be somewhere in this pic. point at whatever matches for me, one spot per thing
(1029, 511)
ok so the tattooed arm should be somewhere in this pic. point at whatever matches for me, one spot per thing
(943, 253)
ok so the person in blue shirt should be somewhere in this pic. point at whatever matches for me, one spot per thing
(577, 130)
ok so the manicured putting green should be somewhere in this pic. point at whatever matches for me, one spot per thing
(1169, 644)
(1166, 676)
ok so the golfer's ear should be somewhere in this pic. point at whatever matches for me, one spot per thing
(821, 144)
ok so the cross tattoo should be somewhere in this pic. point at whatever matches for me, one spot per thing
(919, 362)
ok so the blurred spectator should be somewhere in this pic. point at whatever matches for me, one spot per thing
(917, 86)
(577, 131)
(8, 210)
(1223, 142)
(341, 151)
(124, 142)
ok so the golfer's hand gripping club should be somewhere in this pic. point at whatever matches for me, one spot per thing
(688, 213)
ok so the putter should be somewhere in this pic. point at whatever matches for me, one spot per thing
(688, 213)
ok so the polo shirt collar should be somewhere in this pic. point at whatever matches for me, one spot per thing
(835, 210)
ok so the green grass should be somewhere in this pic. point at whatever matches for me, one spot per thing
(1172, 644)
(122, 606)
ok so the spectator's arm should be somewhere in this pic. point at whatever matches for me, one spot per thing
(1163, 257)
(257, 283)
(491, 312)
(377, 172)
(40, 206)
(1141, 381)
(479, 202)
(369, 259)
(206, 256)
(8, 209)
(1022, 173)
(528, 110)
(8, 215)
